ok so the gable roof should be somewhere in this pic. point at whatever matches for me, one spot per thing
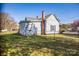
(32, 19)
(47, 16)
(50, 15)
(56, 18)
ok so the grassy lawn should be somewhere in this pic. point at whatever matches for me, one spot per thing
(14, 44)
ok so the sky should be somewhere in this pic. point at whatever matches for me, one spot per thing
(65, 12)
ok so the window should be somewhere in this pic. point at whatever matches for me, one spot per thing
(52, 27)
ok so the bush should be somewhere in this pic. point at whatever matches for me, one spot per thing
(61, 31)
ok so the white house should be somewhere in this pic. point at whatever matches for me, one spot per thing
(37, 26)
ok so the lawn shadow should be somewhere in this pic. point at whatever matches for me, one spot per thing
(72, 35)
(29, 44)
(68, 48)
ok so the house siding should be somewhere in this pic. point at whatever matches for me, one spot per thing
(25, 31)
(51, 20)
(38, 26)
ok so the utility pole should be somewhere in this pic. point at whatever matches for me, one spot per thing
(54, 34)
(54, 31)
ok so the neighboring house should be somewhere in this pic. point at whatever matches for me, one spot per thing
(75, 26)
(7, 23)
(37, 26)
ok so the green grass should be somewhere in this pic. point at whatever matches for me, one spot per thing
(14, 44)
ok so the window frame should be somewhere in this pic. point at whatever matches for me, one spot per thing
(52, 27)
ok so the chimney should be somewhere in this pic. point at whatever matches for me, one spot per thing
(36, 17)
(43, 23)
